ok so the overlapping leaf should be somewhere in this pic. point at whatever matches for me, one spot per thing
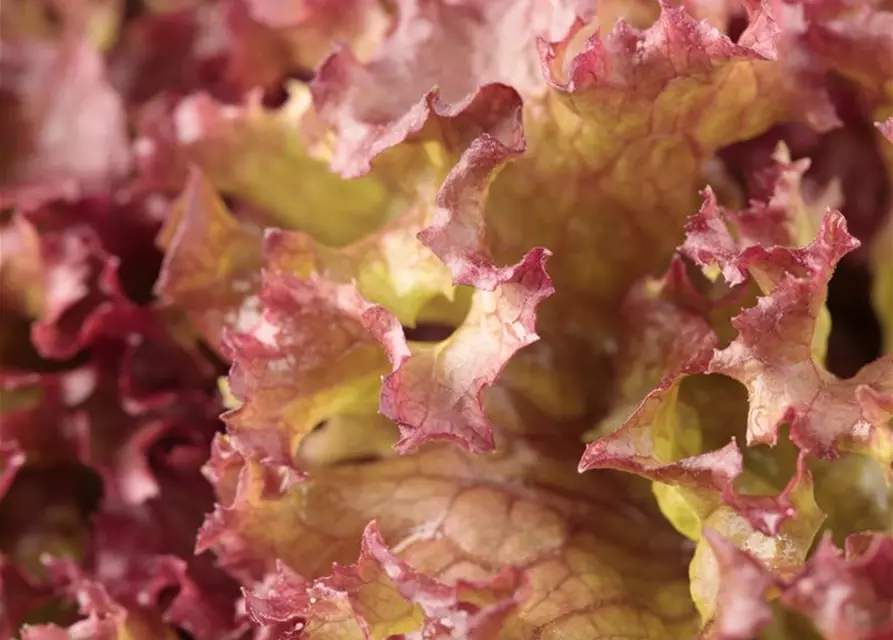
(778, 337)
(305, 220)
(313, 352)
(455, 516)
(569, 140)
(845, 595)
(380, 596)
(436, 392)
(213, 263)
(104, 619)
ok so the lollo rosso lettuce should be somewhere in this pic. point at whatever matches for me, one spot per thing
(467, 319)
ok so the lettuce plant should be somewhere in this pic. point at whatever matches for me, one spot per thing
(446, 319)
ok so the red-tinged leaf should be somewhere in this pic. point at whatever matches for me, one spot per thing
(123, 221)
(673, 426)
(100, 624)
(390, 267)
(65, 124)
(313, 352)
(856, 43)
(846, 165)
(740, 610)
(370, 234)
(781, 341)
(238, 485)
(492, 111)
(773, 357)
(783, 552)
(212, 263)
(104, 618)
(83, 262)
(847, 597)
(169, 52)
(457, 516)
(256, 56)
(221, 48)
(79, 277)
(663, 344)
(436, 392)
(381, 594)
(608, 124)
(709, 243)
(457, 231)
(253, 153)
(140, 552)
(756, 252)
(140, 543)
(666, 432)
(148, 458)
(665, 338)
(845, 51)
(395, 85)
(279, 603)
(110, 412)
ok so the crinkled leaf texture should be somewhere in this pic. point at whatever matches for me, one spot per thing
(381, 595)
(760, 322)
(506, 533)
(426, 252)
(844, 594)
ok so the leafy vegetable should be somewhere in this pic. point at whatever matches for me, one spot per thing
(446, 319)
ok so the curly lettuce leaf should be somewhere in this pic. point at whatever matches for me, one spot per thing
(609, 80)
(454, 517)
(313, 352)
(390, 267)
(396, 86)
(380, 252)
(844, 595)
(669, 437)
(213, 262)
(498, 200)
(809, 395)
(855, 43)
(320, 210)
(252, 152)
(104, 618)
(662, 410)
(154, 566)
(436, 392)
(380, 596)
